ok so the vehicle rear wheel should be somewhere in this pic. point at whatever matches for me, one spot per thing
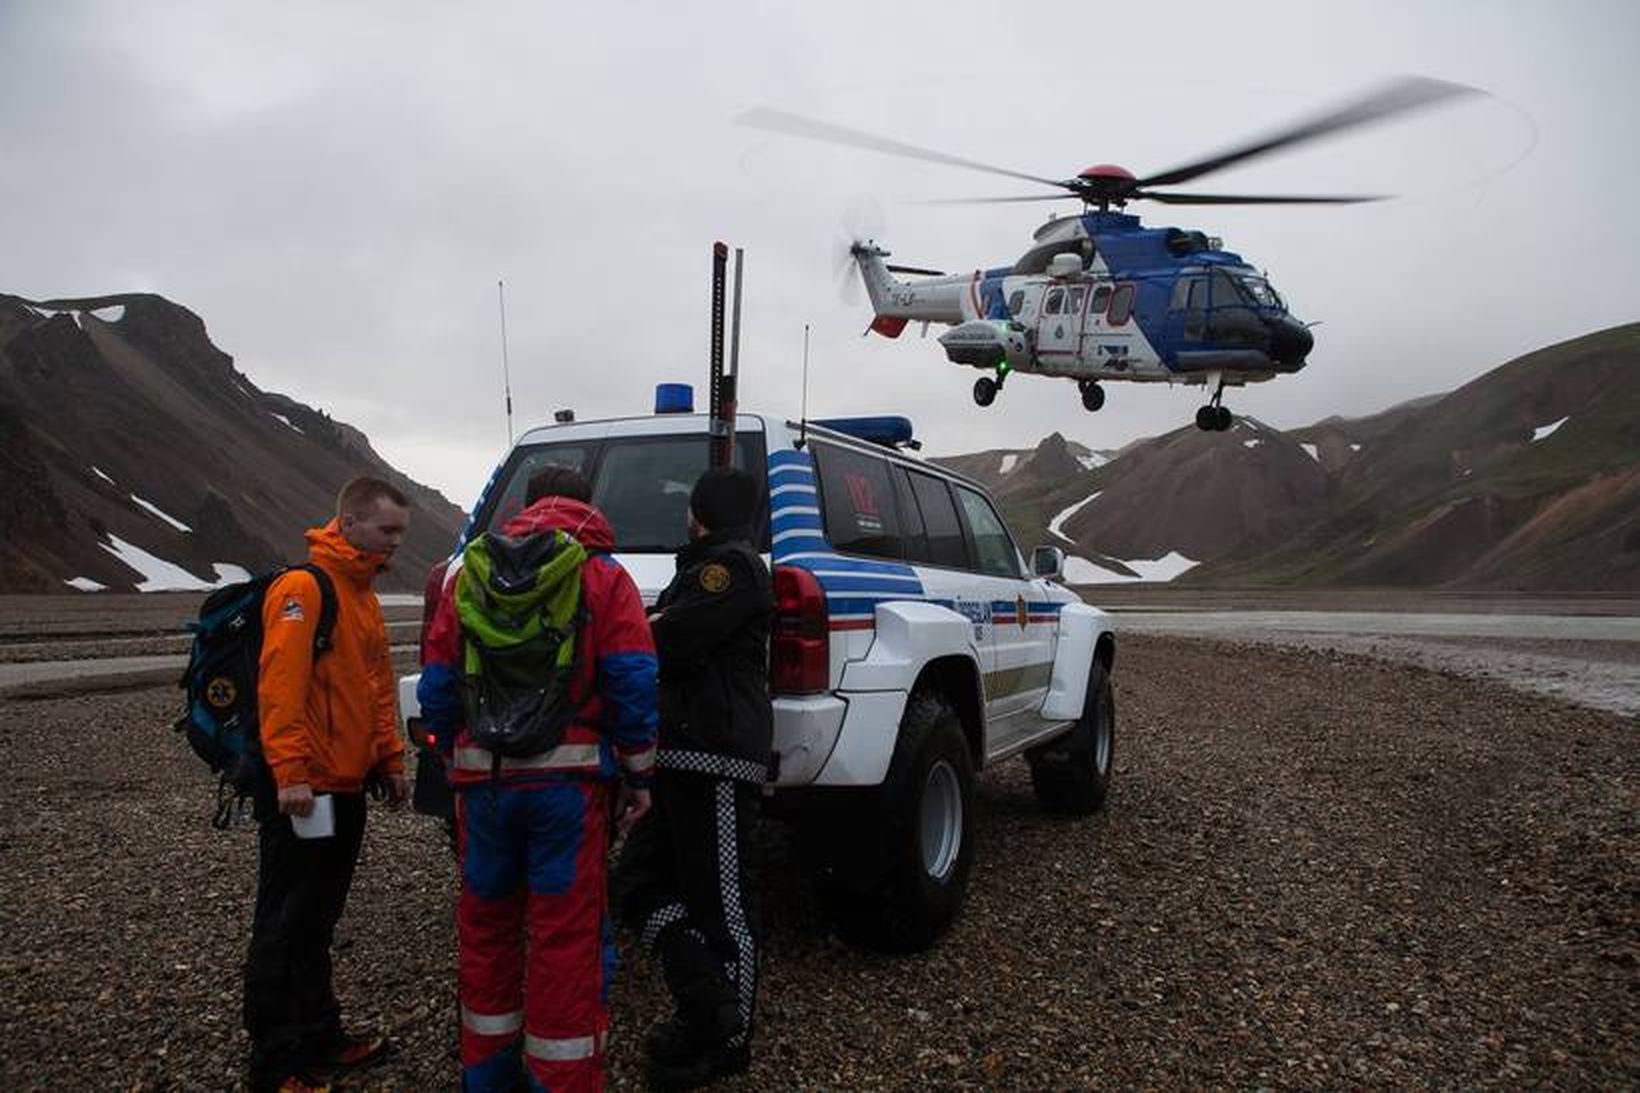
(1071, 775)
(921, 829)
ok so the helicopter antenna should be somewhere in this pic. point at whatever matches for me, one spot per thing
(506, 372)
(803, 415)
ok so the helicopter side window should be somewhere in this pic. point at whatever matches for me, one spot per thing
(1016, 302)
(1198, 294)
(1073, 303)
(1121, 305)
(1056, 300)
(1101, 297)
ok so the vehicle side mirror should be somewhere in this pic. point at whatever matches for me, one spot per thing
(1049, 562)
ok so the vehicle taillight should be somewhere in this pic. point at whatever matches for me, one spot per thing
(800, 646)
(430, 593)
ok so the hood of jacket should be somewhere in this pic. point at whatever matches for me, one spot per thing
(580, 519)
(329, 548)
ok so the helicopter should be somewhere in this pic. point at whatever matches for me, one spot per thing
(1099, 296)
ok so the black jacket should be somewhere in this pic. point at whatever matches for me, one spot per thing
(712, 636)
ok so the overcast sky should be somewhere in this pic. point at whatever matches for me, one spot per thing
(336, 188)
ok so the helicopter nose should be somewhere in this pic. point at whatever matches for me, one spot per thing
(1290, 342)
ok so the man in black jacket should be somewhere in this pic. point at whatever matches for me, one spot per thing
(682, 879)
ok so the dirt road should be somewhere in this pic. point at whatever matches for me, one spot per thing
(1316, 870)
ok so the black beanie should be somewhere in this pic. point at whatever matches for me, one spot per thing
(724, 497)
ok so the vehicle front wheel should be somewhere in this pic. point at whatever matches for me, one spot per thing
(1071, 774)
(923, 818)
(985, 390)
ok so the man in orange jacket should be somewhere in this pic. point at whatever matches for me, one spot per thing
(328, 726)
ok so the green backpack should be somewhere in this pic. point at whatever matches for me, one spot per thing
(520, 606)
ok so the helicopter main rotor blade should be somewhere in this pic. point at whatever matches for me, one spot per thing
(994, 200)
(792, 125)
(1398, 97)
(1253, 199)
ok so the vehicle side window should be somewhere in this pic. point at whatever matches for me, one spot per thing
(857, 503)
(1121, 305)
(1073, 304)
(1101, 297)
(939, 516)
(994, 551)
(912, 535)
(1056, 299)
(1016, 302)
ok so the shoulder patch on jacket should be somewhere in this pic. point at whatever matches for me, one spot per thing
(292, 610)
(715, 577)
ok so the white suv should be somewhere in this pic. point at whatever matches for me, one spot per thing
(911, 647)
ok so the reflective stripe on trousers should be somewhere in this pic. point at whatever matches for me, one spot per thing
(492, 1024)
(558, 1051)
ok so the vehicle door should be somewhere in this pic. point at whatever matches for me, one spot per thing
(1187, 311)
(1021, 641)
(936, 545)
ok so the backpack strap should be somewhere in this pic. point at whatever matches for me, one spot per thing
(327, 608)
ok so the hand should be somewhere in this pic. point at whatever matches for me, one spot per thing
(630, 807)
(296, 800)
(398, 790)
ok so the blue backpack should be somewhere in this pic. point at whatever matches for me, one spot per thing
(220, 718)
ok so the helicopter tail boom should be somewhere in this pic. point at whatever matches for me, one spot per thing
(896, 302)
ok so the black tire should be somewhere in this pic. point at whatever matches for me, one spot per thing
(1071, 775)
(1223, 419)
(1093, 397)
(985, 390)
(920, 829)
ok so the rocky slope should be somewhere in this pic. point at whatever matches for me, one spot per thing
(1526, 478)
(129, 443)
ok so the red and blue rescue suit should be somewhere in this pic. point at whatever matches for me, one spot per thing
(533, 834)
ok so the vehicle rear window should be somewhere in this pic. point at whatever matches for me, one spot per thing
(640, 483)
(857, 502)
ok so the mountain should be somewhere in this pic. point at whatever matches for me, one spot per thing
(133, 453)
(1526, 478)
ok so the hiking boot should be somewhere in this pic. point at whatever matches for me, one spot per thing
(354, 1051)
(703, 1068)
(302, 1083)
(678, 1039)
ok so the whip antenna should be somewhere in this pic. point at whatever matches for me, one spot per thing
(803, 415)
(506, 373)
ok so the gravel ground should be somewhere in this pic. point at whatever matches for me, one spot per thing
(1316, 870)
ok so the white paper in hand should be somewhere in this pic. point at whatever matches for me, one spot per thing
(318, 824)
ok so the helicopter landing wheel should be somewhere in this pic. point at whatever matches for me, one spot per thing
(985, 390)
(1214, 419)
(1093, 396)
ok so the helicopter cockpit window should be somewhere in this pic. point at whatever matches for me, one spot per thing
(1262, 292)
(1073, 302)
(1056, 300)
(1226, 292)
(1121, 306)
(1016, 302)
(1198, 294)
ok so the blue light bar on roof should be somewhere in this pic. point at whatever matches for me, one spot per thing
(674, 398)
(889, 430)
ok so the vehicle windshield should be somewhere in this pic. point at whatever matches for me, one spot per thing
(640, 483)
(1263, 293)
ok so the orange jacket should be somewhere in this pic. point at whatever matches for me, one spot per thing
(329, 722)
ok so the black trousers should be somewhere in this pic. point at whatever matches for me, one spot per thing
(683, 884)
(301, 887)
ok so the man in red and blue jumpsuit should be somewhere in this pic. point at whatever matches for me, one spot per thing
(531, 925)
